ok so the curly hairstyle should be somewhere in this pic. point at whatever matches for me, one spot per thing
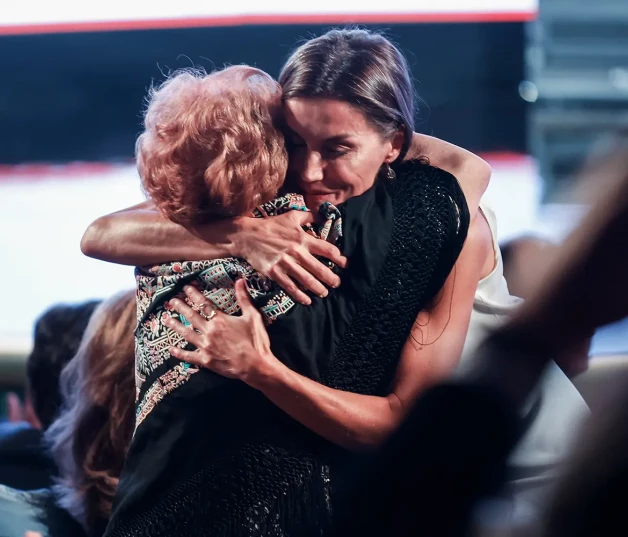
(89, 439)
(212, 146)
(56, 339)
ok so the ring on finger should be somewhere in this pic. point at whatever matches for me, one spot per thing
(210, 316)
(200, 309)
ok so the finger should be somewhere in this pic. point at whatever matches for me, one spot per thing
(15, 410)
(282, 279)
(243, 297)
(325, 249)
(189, 313)
(186, 332)
(318, 270)
(196, 296)
(302, 217)
(190, 357)
(296, 271)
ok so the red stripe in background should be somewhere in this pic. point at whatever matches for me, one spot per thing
(239, 20)
(82, 169)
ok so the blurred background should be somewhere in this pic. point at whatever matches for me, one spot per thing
(531, 86)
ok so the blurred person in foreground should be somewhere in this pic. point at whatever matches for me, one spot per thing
(89, 438)
(24, 463)
(430, 477)
(519, 254)
(554, 411)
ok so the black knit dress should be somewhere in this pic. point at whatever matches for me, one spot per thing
(216, 458)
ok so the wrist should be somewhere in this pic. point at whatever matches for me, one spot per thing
(236, 242)
(267, 374)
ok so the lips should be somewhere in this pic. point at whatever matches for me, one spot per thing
(310, 193)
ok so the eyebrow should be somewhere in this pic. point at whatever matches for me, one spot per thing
(338, 138)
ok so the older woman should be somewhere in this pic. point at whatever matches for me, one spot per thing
(232, 463)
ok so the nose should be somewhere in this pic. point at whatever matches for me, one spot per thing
(312, 168)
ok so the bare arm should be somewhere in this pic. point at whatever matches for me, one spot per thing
(139, 235)
(353, 421)
(472, 172)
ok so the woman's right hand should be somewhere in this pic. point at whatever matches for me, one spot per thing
(276, 246)
(279, 248)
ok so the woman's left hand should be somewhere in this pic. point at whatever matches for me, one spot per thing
(234, 347)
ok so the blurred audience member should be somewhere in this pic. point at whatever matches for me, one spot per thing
(519, 256)
(23, 461)
(590, 497)
(90, 437)
(36, 511)
(554, 411)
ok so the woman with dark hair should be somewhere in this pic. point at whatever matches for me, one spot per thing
(90, 437)
(264, 456)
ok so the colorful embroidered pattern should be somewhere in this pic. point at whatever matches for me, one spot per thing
(216, 279)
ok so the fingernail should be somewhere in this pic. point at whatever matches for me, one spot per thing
(306, 301)
(324, 293)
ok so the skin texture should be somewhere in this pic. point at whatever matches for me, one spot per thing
(336, 154)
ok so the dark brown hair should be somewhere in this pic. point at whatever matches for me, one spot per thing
(90, 438)
(361, 68)
(57, 337)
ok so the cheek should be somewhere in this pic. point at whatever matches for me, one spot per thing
(342, 176)
(296, 161)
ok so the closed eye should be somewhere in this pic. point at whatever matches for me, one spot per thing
(336, 152)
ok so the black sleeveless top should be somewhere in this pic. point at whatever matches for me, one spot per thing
(217, 458)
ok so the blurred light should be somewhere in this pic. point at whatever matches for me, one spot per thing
(618, 77)
(528, 91)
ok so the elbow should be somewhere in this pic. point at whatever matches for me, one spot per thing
(364, 444)
(91, 242)
(375, 434)
(484, 173)
(479, 171)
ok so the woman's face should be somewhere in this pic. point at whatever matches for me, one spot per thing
(335, 153)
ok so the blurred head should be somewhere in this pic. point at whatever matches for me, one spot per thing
(90, 438)
(525, 261)
(212, 145)
(349, 108)
(57, 336)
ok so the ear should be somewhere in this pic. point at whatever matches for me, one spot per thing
(396, 144)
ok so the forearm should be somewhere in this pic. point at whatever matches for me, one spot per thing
(353, 421)
(473, 173)
(141, 236)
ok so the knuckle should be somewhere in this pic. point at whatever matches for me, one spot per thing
(291, 251)
(309, 281)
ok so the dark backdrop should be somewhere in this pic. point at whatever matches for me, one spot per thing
(78, 96)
